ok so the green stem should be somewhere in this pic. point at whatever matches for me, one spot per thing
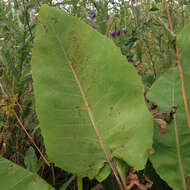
(79, 183)
(66, 185)
(178, 149)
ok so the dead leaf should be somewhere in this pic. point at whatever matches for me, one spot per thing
(97, 187)
(162, 125)
(133, 180)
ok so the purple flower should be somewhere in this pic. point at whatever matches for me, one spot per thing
(93, 26)
(93, 15)
(118, 32)
(108, 17)
(113, 34)
(112, 2)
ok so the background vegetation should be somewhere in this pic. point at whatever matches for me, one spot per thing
(139, 28)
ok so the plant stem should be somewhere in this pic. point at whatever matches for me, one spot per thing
(169, 18)
(65, 185)
(31, 139)
(178, 149)
(79, 183)
(53, 174)
(180, 68)
(27, 21)
(122, 178)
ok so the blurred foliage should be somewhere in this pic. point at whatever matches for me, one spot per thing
(139, 28)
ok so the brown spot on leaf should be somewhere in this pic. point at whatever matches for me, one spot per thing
(54, 19)
(90, 166)
(81, 69)
(111, 108)
(45, 28)
(151, 151)
(78, 109)
(11, 166)
(74, 136)
(123, 127)
(123, 147)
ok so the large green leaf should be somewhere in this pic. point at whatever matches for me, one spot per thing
(69, 54)
(172, 150)
(14, 177)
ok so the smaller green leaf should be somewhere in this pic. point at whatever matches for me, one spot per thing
(183, 38)
(131, 42)
(14, 177)
(104, 173)
(31, 126)
(149, 172)
(31, 160)
(171, 156)
(65, 185)
(171, 35)
(123, 168)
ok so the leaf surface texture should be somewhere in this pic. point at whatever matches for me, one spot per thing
(14, 177)
(170, 155)
(65, 47)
